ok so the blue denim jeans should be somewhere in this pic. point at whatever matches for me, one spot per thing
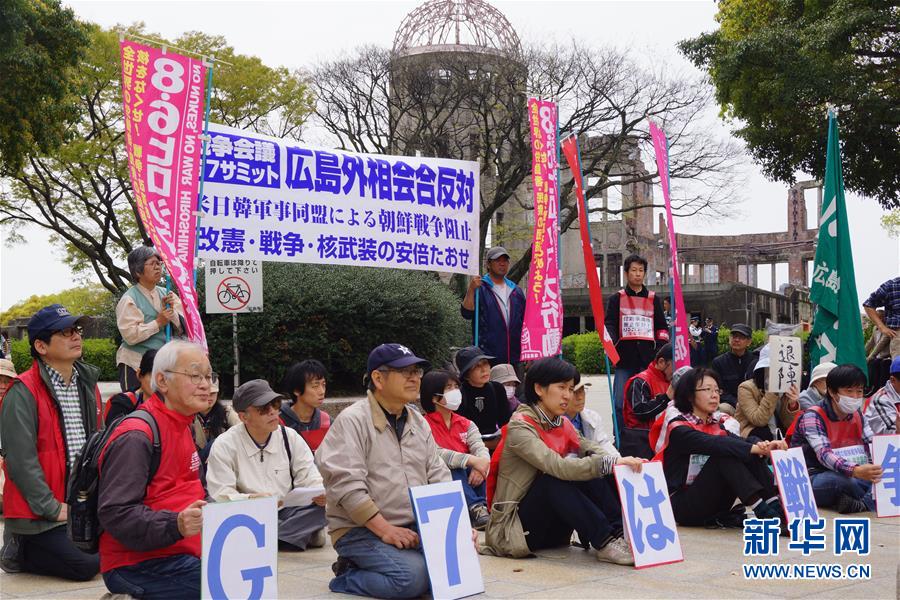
(379, 570)
(828, 486)
(476, 495)
(622, 375)
(169, 578)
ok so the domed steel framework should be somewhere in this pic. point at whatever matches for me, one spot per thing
(456, 25)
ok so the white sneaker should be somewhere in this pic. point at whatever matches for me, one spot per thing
(617, 552)
(317, 540)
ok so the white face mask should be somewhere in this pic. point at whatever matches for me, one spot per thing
(452, 399)
(849, 405)
(510, 392)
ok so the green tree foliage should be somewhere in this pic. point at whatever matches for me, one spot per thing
(585, 351)
(40, 45)
(81, 191)
(775, 65)
(91, 300)
(336, 315)
(100, 352)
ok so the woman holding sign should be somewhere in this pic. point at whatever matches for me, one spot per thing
(708, 465)
(547, 480)
(835, 439)
(761, 413)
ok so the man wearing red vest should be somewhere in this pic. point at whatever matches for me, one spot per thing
(835, 438)
(46, 416)
(636, 322)
(646, 395)
(150, 545)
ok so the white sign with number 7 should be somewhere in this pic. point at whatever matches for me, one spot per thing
(446, 533)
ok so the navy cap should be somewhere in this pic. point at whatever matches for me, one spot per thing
(51, 319)
(895, 366)
(468, 357)
(395, 356)
(742, 329)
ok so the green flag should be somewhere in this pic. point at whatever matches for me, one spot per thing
(837, 329)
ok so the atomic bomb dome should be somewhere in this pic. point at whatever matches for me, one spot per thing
(454, 26)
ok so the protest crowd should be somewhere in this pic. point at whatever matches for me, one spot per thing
(535, 465)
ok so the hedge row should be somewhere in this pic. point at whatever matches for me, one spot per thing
(585, 351)
(98, 352)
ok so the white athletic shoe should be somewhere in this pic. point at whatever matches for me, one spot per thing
(317, 540)
(617, 552)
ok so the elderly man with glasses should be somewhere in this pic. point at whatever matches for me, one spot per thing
(262, 457)
(150, 545)
(143, 313)
(46, 415)
(371, 446)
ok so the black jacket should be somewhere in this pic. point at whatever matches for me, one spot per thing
(732, 369)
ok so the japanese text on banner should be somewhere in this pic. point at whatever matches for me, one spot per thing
(542, 327)
(163, 96)
(272, 199)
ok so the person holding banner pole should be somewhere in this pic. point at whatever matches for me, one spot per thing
(708, 465)
(498, 316)
(143, 314)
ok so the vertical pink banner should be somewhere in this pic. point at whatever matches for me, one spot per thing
(163, 95)
(680, 343)
(542, 329)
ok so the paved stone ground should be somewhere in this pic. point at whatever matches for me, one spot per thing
(711, 569)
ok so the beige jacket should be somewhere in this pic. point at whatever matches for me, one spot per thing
(525, 456)
(366, 471)
(756, 409)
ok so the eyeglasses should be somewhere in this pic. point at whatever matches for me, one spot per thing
(70, 331)
(267, 408)
(197, 378)
(408, 372)
(711, 390)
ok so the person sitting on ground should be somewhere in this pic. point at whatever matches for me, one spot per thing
(304, 384)
(261, 457)
(143, 313)
(125, 402)
(546, 481)
(483, 401)
(884, 405)
(646, 395)
(835, 437)
(732, 366)
(46, 415)
(762, 413)
(458, 439)
(211, 422)
(150, 546)
(708, 465)
(587, 422)
(505, 375)
(815, 393)
(371, 446)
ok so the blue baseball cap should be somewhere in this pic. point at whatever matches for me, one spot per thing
(895, 366)
(51, 319)
(395, 356)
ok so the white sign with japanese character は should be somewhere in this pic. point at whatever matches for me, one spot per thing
(274, 199)
(647, 515)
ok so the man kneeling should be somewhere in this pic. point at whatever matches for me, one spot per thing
(261, 457)
(150, 546)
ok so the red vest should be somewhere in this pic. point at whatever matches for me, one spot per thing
(708, 428)
(658, 385)
(175, 486)
(51, 446)
(635, 317)
(314, 437)
(453, 437)
(841, 434)
(563, 440)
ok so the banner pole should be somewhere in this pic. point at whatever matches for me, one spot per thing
(209, 85)
(598, 326)
(237, 355)
(168, 289)
(477, 290)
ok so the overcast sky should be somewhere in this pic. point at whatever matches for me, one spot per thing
(299, 34)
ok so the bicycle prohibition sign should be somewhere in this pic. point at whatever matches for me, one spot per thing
(233, 293)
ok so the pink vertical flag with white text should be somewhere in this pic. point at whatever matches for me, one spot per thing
(542, 329)
(680, 343)
(163, 94)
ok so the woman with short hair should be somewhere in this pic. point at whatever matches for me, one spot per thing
(547, 481)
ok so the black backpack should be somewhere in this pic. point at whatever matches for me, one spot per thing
(82, 524)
